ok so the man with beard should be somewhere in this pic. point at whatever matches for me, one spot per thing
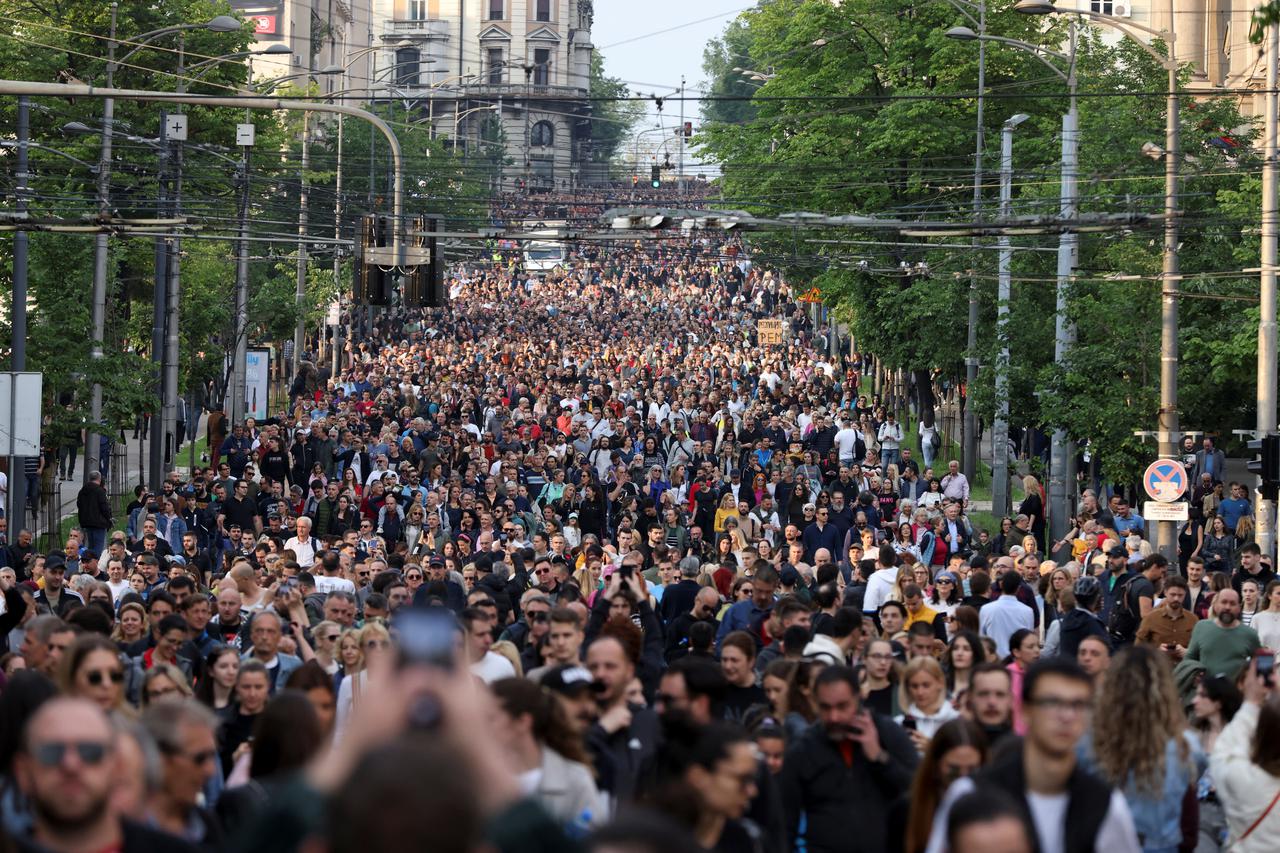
(851, 761)
(1223, 644)
(67, 767)
(990, 700)
(628, 734)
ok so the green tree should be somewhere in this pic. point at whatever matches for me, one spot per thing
(871, 124)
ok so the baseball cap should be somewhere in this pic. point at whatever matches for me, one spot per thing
(1117, 551)
(568, 679)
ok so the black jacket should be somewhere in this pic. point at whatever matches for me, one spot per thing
(136, 838)
(1077, 625)
(93, 507)
(677, 598)
(844, 808)
(1088, 800)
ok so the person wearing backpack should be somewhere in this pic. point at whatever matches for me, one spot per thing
(1135, 596)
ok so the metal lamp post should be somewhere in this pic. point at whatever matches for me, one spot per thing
(1062, 451)
(1000, 429)
(1167, 433)
(219, 24)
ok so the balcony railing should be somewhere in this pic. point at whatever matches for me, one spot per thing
(428, 29)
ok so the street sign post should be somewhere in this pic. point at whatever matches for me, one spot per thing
(1159, 511)
(1165, 480)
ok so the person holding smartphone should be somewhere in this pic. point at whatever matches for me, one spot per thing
(1245, 760)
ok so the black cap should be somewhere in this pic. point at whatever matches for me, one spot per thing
(568, 679)
(1117, 551)
(54, 560)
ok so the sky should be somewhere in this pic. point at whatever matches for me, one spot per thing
(636, 49)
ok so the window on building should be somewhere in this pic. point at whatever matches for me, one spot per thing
(495, 64)
(407, 59)
(543, 12)
(541, 66)
(543, 135)
(1101, 7)
(496, 12)
(417, 10)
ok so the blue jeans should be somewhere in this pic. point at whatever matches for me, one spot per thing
(95, 539)
(889, 457)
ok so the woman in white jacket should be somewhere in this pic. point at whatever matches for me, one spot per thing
(1246, 769)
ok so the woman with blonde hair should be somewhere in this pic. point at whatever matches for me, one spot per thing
(923, 695)
(1144, 749)
(728, 509)
(1032, 507)
(374, 642)
(131, 625)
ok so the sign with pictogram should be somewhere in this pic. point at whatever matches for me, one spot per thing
(811, 295)
(1165, 480)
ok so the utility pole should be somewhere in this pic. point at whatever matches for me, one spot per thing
(969, 457)
(1265, 514)
(337, 255)
(680, 136)
(169, 422)
(1062, 453)
(237, 385)
(1171, 284)
(300, 294)
(92, 444)
(18, 344)
(159, 303)
(1000, 428)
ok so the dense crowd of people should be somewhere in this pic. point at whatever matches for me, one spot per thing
(577, 563)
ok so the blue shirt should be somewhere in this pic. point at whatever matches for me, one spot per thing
(740, 616)
(1134, 523)
(1232, 510)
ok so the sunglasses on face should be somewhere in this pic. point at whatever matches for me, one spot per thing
(98, 676)
(52, 754)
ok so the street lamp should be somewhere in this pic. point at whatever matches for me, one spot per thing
(1061, 453)
(1167, 429)
(1000, 428)
(218, 24)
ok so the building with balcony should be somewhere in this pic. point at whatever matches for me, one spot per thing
(515, 70)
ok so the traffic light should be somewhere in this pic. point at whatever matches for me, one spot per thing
(1267, 464)
(655, 176)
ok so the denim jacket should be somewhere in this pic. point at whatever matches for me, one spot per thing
(1157, 818)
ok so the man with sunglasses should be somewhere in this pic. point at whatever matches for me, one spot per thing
(68, 767)
(185, 734)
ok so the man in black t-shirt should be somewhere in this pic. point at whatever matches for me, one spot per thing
(1135, 597)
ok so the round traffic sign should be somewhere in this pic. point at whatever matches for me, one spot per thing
(1165, 480)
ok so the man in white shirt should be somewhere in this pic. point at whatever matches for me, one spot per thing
(1068, 807)
(486, 665)
(847, 442)
(890, 437)
(302, 545)
(880, 584)
(955, 485)
(999, 619)
(327, 575)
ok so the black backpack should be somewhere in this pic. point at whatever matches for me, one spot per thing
(1125, 614)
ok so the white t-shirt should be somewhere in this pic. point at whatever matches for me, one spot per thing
(493, 667)
(1049, 814)
(118, 588)
(326, 585)
(846, 442)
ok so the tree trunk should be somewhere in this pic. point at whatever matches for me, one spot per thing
(924, 395)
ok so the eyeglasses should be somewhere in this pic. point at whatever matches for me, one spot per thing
(377, 644)
(52, 754)
(97, 676)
